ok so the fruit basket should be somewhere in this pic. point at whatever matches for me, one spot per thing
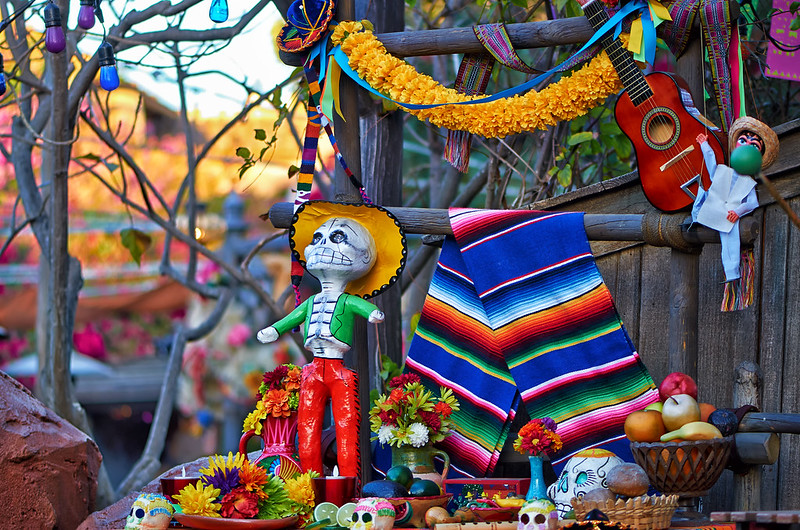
(688, 469)
(640, 513)
(411, 510)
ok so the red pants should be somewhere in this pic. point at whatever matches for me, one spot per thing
(323, 379)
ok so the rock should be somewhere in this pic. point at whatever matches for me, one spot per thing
(49, 467)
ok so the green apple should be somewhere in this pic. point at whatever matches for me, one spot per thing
(658, 405)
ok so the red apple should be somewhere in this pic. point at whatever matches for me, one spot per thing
(679, 410)
(677, 383)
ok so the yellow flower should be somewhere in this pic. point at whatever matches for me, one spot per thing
(568, 98)
(253, 420)
(199, 500)
(300, 489)
(219, 462)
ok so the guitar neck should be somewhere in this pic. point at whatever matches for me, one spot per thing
(630, 74)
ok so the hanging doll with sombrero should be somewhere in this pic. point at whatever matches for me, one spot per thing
(731, 196)
(356, 251)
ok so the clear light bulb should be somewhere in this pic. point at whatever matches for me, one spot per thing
(109, 78)
(54, 39)
(86, 14)
(218, 11)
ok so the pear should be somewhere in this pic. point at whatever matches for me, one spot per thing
(695, 430)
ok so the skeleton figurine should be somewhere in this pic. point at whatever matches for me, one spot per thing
(341, 253)
(150, 511)
(373, 513)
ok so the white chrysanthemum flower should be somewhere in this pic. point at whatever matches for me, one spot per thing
(418, 434)
(385, 434)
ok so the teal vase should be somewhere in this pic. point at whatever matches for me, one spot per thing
(538, 488)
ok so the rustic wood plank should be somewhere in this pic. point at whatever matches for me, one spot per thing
(772, 293)
(652, 322)
(788, 478)
(747, 486)
(628, 292)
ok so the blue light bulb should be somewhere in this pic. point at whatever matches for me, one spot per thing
(218, 11)
(2, 83)
(109, 78)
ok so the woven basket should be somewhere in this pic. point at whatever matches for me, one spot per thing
(640, 513)
(688, 469)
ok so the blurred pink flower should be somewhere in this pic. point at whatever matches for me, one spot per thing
(238, 335)
(90, 342)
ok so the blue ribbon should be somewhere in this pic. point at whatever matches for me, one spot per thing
(614, 23)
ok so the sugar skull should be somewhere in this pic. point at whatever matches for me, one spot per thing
(341, 248)
(150, 511)
(373, 513)
(537, 514)
(585, 471)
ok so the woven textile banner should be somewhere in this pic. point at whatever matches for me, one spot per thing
(517, 309)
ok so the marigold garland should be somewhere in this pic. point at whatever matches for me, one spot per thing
(566, 99)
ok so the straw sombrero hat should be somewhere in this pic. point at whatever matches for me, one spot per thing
(390, 241)
(306, 22)
(768, 136)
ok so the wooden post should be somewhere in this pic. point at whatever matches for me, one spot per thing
(747, 487)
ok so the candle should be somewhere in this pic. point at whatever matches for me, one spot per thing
(338, 490)
(173, 485)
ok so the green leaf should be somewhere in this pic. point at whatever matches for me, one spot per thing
(795, 25)
(565, 176)
(794, 6)
(293, 170)
(579, 138)
(243, 152)
(261, 135)
(136, 242)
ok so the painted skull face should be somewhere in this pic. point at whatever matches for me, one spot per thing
(373, 513)
(150, 511)
(536, 514)
(750, 138)
(341, 249)
(585, 471)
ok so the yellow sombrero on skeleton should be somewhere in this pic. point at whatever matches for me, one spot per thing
(390, 241)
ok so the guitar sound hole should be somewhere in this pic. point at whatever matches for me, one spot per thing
(660, 128)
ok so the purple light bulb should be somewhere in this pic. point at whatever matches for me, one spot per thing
(86, 14)
(54, 39)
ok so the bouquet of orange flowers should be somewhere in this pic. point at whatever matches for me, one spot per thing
(411, 414)
(538, 436)
(278, 396)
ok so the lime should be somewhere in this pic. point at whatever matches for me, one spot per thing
(345, 514)
(325, 510)
(424, 488)
(401, 475)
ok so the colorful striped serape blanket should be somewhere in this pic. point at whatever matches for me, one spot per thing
(517, 309)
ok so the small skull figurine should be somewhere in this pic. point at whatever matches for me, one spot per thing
(585, 471)
(150, 511)
(341, 248)
(537, 515)
(373, 513)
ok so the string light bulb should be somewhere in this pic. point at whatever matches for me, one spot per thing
(109, 78)
(54, 39)
(86, 14)
(219, 11)
(2, 77)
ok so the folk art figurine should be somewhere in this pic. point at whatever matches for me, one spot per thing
(373, 513)
(585, 471)
(356, 251)
(150, 511)
(538, 514)
(731, 196)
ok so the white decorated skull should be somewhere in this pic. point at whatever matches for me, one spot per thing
(585, 471)
(373, 513)
(536, 514)
(150, 511)
(341, 249)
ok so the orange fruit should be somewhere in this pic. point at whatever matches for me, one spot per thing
(644, 426)
(705, 410)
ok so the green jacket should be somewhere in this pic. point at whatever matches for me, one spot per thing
(347, 307)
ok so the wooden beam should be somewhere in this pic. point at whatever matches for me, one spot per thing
(770, 422)
(599, 227)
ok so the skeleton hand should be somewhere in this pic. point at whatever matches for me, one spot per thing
(375, 316)
(267, 335)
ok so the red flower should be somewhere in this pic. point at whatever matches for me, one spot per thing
(402, 380)
(431, 419)
(396, 396)
(389, 417)
(239, 504)
(443, 409)
(274, 378)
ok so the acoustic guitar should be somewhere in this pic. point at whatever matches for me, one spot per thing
(657, 114)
